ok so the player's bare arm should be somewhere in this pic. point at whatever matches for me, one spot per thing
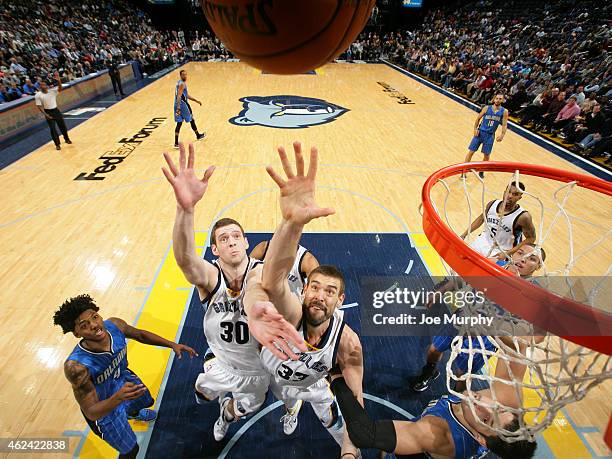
(188, 190)
(525, 224)
(478, 221)
(309, 262)
(478, 118)
(146, 337)
(266, 325)
(259, 250)
(177, 102)
(298, 207)
(195, 100)
(504, 126)
(87, 397)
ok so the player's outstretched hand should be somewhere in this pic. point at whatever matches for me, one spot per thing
(297, 191)
(179, 348)
(188, 189)
(130, 391)
(272, 331)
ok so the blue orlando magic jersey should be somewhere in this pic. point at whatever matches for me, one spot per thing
(491, 120)
(107, 369)
(184, 95)
(466, 445)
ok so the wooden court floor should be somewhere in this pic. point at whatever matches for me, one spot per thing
(109, 234)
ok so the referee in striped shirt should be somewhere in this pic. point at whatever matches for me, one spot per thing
(46, 101)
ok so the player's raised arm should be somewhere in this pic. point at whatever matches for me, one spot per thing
(298, 207)
(268, 327)
(188, 190)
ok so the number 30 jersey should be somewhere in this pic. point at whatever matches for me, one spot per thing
(225, 324)
(312, 365)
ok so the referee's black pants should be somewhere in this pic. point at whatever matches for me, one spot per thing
(56, 118)
(116, 80)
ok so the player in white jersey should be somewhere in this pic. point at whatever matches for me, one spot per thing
(330, 343)
(507, 228)
(304, 263)
(233, 366)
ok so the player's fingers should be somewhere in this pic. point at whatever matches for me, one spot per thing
(277, 178)
(274, 350)
(282, 154)
(191, 157)
(208, 174)
(170, 163)
(299, 158)
(181, 156)
(168, 175)
(290, 333)
(314, 163)
(322, 212)
(286, 349)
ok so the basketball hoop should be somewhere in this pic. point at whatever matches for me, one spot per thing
(558, 372)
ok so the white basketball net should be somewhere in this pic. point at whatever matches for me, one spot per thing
(557, 372)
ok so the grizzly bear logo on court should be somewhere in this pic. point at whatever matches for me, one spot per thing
(286, 112)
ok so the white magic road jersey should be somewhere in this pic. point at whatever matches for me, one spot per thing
(226, 328)
(312, 365)
(496, 229)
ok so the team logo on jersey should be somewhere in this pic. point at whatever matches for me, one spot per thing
(286, 112)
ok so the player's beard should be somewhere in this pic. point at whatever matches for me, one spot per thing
(316, 321)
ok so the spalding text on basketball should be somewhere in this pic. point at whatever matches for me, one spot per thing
(251, 18)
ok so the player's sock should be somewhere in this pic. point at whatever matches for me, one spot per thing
(194, 127)
(428, 369)
(177, 129)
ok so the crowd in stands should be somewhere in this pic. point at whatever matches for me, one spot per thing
(551, 61)
(207, 46)
(75, 38)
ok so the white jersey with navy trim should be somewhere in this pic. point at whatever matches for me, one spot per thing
(311, 365)
(497, 229)
(225, 325)
(296, 277)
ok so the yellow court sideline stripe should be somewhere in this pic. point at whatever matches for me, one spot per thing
(161, 314)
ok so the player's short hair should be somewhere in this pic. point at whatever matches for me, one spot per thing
(521, 185)
(220, 224)
(182, 71)
(329, 271)
(522, 449)
(542, 252)
(70, 311)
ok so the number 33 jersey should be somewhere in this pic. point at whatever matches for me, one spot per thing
(313, 364)
(225, 324)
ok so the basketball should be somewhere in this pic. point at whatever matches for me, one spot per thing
(287, 37)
